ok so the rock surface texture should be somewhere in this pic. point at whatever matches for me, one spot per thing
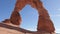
(44, 22)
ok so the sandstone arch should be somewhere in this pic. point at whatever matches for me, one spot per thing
(44, 21)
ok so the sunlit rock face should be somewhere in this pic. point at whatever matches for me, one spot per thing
(44, 22)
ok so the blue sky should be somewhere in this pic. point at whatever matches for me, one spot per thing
(30, 15)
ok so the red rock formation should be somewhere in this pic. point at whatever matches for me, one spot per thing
(15, 18)
(6, 21)
(44, 22)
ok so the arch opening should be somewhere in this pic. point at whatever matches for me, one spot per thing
(29, 18)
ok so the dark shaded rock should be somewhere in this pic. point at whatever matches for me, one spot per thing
(15, 18)
(6, 21)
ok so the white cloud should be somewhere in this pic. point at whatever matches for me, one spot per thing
(57, 30)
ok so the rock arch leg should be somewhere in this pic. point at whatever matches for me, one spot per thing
(15, 16)
(44, 22)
